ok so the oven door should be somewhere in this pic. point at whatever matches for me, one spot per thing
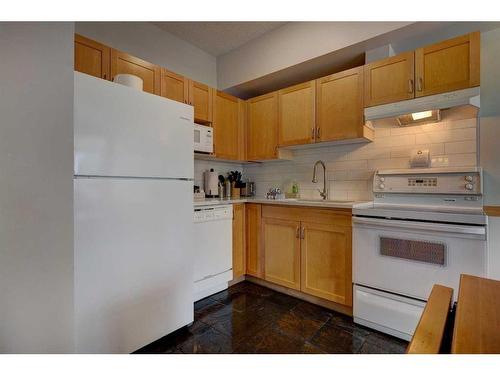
(409, 257)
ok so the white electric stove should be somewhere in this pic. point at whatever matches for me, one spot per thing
(424, 227)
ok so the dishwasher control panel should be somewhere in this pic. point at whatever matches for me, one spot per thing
(213, 213)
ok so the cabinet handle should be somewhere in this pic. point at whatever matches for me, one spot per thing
(312, 133)
(318, 133)
(302, 232)
(420, 84)
(410, 86)
(297, 235)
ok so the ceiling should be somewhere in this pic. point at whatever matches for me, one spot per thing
(218, 38)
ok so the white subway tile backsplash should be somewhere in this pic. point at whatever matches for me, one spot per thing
(460, 147)
(405, 151)
(454, 160)
(393, 163)
(350, 168)
(222, 168)
(346, 165)
(451, 135)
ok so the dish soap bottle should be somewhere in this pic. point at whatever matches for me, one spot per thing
(295, 189)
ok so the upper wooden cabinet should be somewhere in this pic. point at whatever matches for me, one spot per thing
(239, 254)
(281, 239)
(200, 97)
(123, 63)
(262, 127)
(254, 261)
(296, 114)
(92, 57)
(339, 106)
(448, 66)
(174, 86)
(389, 80)
(226, 116)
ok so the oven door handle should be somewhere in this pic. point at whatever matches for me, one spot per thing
(418, 225)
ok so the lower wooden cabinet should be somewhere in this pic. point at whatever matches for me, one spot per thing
(308, 249)
(254, 262)
(281, 241)
(326, 260)
(239, 251)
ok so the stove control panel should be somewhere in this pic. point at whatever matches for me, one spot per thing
(429, 181)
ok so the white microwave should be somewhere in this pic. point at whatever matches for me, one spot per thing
(203, 138)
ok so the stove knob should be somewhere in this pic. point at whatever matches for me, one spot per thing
(468, 178)
(468, 186)
(381, 186)
(382, 179)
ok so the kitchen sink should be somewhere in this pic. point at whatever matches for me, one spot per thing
(323, 201)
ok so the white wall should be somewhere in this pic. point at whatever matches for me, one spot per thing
(36, 189)
(350, 167)
(292, 44)
(490, 140)
(148, 42)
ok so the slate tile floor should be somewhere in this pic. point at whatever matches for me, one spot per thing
(248, 318)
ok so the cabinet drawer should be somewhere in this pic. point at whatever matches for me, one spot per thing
(332, 216)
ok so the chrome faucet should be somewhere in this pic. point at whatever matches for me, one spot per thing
(323, 192)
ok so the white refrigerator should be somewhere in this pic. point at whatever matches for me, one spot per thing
(133, 216)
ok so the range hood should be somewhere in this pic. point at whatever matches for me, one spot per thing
(449, 100)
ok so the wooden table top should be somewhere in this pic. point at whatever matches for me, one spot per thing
(477, 321)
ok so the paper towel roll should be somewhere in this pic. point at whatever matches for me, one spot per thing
(129, 80)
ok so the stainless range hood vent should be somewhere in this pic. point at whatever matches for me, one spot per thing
(468, 97)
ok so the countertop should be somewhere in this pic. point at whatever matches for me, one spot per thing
(288, 202)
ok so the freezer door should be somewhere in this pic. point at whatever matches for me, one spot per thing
(119, 131)
(133, 262)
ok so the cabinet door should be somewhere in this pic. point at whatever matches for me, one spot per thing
(448, 66)
(123, 63)
(200, 97)
(281, 243)
(296, 114)
(226, 126)
(326, 262)
(239, 255)
(92, 57)
(242, 130)
(262, 127)
(174, 86)
(253, 239)
(389, 80)
(339, 108)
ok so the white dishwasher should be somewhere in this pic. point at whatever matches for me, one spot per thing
(213, 249)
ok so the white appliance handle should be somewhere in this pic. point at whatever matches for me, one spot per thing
(416, 225)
